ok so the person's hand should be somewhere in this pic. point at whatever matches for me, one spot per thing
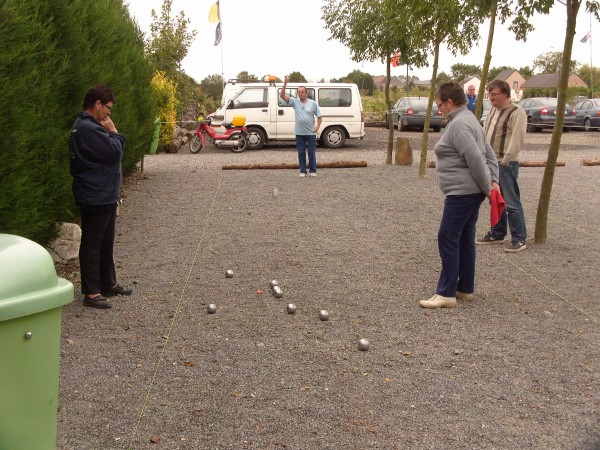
(286, 78)
(495, 186)
(108, 125)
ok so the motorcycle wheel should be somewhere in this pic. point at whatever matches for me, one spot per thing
(195, 144)
(242, 142)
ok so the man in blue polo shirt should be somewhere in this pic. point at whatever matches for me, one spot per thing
(305, 129)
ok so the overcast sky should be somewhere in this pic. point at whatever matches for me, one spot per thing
(281, 36)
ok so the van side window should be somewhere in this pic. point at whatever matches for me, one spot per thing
(293, 92)
(251, 98)
(336, 97)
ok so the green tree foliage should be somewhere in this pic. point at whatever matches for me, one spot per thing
(213, 86)
(363, 80)
(246, 77)
(526, 71)
(550, 62)
(52, 52)
(460, 71)
(297, 77)
(591, 76)
(169, 40)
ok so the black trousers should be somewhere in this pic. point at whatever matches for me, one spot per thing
(96, 260)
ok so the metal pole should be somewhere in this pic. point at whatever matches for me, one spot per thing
(591, 64)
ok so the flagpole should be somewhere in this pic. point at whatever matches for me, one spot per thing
(591, 64)
(221, 43)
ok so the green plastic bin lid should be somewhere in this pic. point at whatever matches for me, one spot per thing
(28, 280)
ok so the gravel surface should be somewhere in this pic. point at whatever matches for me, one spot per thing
(515, 368)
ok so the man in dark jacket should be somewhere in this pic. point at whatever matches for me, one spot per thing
(96, 150)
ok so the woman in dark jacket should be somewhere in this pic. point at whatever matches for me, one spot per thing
(96, 150)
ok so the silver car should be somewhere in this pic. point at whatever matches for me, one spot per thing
(410, 112)
(587, 115)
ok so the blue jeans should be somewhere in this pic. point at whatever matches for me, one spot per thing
(302, 142)
(456, 244)
(513, 214)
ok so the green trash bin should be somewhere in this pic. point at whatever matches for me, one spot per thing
(155, 137)
(31, 300)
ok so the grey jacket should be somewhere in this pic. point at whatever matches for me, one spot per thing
(466, 163)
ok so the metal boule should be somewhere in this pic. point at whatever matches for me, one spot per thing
(324, 315)
(277, 292)
(229, 273)
(211, 308)
(291, 308)
(274, 283)
(275, 192)
(363, 345)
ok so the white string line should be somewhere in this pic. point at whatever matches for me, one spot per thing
(530, 275)
(177, 310)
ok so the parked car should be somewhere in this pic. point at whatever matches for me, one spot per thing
(410, 112)
(541, 112)
(587, 114)
(487, 105)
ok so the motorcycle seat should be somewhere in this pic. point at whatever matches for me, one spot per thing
(227, 125)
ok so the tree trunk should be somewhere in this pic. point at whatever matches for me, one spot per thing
(436, 58)
(486, 61)
(320, 165)
(390, 120)
(541, 220)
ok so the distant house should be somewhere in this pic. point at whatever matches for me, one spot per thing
(470, 80)
(379, 82)
(426, 84)
(515, 80)
(550, 80)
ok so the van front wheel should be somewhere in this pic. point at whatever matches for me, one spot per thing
(256, 138)
(333, 137)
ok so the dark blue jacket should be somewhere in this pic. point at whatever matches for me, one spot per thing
(95, 156)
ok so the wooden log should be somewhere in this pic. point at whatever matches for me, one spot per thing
(178, 142)
(590, 162)
(320, 165)
(404, 156)
(539, 163)
(431, 164)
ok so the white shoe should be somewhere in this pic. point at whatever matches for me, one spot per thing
(313, 174)
(465, 296)
(302, 174)
(437, 301)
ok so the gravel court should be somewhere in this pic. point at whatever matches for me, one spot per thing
(361, 243)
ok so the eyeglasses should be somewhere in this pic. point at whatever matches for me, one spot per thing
(108, 107)
(439, 105)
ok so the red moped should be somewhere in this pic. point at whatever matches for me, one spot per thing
(235, 137)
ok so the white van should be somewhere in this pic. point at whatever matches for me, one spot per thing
(269, 118)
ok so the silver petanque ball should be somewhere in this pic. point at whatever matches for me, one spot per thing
(277, 292)
(291, 308)
(229, 273)
(274, 283)
(211, 308)
(324, 315)
(275, 192)
(363, 345)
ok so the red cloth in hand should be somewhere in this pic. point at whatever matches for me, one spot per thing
(497, 206)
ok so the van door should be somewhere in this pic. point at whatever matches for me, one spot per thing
(252, 103)
(286, 117)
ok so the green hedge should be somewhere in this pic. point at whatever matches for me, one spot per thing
(53, 51)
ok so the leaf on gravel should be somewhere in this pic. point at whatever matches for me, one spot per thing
(387, 379)
(237, 394)
(407, 353)
(155, 439)
(70, 341)
(188, 363)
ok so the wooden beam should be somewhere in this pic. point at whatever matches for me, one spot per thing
(590, 162)
(431, 164)
(321, 165)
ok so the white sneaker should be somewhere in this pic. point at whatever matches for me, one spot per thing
(302, 174)
(437, 301)
(313, 174)
(465, 296)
